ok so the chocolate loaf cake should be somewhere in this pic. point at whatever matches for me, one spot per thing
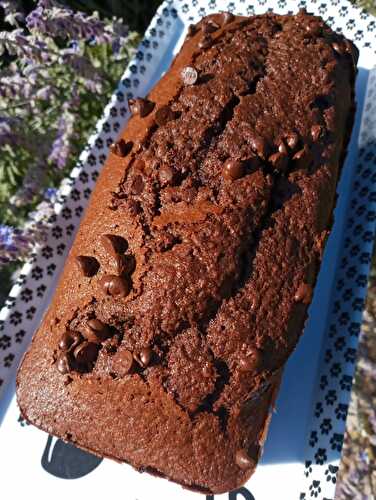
(188, 283)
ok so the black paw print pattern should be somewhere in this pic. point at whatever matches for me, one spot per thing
(339, 354)
(335, 374)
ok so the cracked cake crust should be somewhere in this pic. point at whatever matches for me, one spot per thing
(187, 286)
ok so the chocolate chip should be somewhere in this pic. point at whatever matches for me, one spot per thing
(192, 30)
(250, 361)
(65, 342)
(69, 340)
(339, 48)
(233, 169)
(97, 330)
(258, 145)
(282, 147)
(209, 26)
(64, 363)
(227, 17)
(137, 185)
(143, 358)
(279, 161)
(140, 106)
(304, 293)
(86, 353)
(316, 131)
(87, 265)
(121, 148)
(115, 286)
(125, 264)
(166, 175)
(113, 244)
(189, 75)
(122, 362)
(243, 460)
(163, 115)
(205, 42)
(303, 158)
(292, 140)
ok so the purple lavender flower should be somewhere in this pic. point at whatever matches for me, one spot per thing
(61, 146)
(52, 19)
(12, 14)
(14, 244)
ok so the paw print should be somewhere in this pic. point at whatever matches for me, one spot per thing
(50, 269)
(83, 177)
(281, 4)
(91, 159)
(52, 219)
(336, 442)
(308, 468)
(30, 312)
(331, 473)
(20, 335)
(250, 10)
(5, 342)
(106, 127)
(37, 273)
(347, 294)
(87, 193)
(60, 249)
(354, 328)
(57, 232)
(371, 26)
(78, 211)
(350, 24)
(361, 280)
(335, 370)
(331, 397)
(357, 305)
(40, 290)
(320, 456)
(341, 411)
(372, 197)
(94, 175)
(66, 213)
(339, 344)
(366, 173)
(319, 409)
(47, 252)
(347, 242)
(98, 140)
(15, 318)
(323, 382)
(322, 9)
(8, 360)
(315, 489)
(69, 229)
(313, 439)
(346, 382)
(350, 355)
(123, 112)
(344, 318)
(326, 426)
(26, 295)
(358, 230)
(75, 194)
(102, 157)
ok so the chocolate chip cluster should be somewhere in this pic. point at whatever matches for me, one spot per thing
(78, 350)
(116, 285)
